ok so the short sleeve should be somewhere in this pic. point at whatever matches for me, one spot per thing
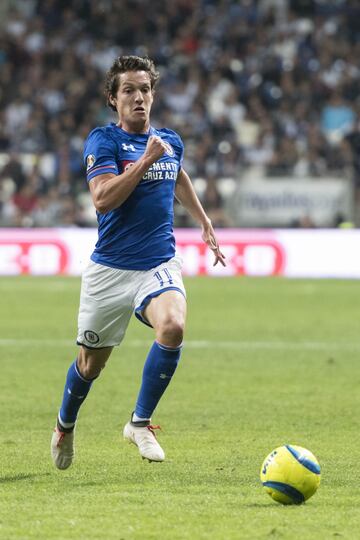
(100, 154)
(181, 150)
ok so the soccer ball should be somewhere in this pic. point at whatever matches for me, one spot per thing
(290, 474)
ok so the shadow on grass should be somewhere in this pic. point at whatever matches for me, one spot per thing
(257, 505)
(21, 476)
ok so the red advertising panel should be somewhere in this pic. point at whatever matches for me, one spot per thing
(257, 254)
(291, 253)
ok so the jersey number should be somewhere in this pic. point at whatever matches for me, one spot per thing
(164, 276)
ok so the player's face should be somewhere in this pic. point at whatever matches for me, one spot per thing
(133, 101)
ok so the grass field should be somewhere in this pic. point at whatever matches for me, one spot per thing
(266, 362)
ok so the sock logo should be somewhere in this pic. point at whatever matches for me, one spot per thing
(72, 394)
(164, 376)
(91, 337)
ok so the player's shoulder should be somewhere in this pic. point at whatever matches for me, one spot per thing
(101, 134)
(170, 136)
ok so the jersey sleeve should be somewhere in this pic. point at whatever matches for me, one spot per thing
(181, 152)
(178, 146)
(100, 154)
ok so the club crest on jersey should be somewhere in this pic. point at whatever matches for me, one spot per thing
(90, 160)
(169, 149)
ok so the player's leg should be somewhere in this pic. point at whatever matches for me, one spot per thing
(166, 313)
(104, 315)
(80, 376)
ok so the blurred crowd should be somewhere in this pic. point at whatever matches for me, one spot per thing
(270, 83)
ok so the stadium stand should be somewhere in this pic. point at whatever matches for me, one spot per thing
(267, 85)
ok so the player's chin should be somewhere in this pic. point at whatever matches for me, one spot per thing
(139, 122)
(140, 114)
(140, 117)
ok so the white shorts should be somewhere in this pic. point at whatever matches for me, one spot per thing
(109, 296)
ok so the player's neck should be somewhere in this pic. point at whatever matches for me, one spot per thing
(134, 128)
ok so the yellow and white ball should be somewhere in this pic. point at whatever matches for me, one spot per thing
(290, 474)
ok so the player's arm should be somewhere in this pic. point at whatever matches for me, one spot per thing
(186, 195)
(109, 191)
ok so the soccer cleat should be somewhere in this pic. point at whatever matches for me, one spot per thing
(62, 448)
(142, 435)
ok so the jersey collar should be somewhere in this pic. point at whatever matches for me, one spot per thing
(152, 131)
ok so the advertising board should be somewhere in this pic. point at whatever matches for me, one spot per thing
(291, 253)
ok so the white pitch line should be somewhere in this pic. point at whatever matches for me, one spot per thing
(275, 345)
(195, 344)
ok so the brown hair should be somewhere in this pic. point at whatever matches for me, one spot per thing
(123, 64)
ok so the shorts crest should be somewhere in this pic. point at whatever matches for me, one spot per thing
(91, 336)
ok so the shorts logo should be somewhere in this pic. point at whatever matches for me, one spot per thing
(90, 160)
(169, 149)
(91, 337)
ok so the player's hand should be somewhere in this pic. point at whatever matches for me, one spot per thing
(208, 235)
(155, 148)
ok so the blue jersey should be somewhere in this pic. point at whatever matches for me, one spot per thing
(138, 235)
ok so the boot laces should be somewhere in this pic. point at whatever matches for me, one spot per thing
(61, 437)
(151, 428)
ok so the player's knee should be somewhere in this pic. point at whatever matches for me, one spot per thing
(87, 369)
(90, 364)
(171, 331)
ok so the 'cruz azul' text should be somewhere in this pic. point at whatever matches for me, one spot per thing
(162, 171)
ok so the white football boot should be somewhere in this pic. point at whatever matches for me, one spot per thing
(62, 448)
(142, 435)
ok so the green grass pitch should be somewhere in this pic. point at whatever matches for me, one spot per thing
(267, 361)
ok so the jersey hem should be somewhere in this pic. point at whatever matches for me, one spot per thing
(137, 269)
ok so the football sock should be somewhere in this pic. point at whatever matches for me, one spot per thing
(158, 370)
(75, 391)
(136, 418)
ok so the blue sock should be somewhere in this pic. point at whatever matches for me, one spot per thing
(159, 367)
(75, 391)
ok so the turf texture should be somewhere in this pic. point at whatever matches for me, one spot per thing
(266, 362)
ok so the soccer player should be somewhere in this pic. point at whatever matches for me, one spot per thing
(134, 171)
